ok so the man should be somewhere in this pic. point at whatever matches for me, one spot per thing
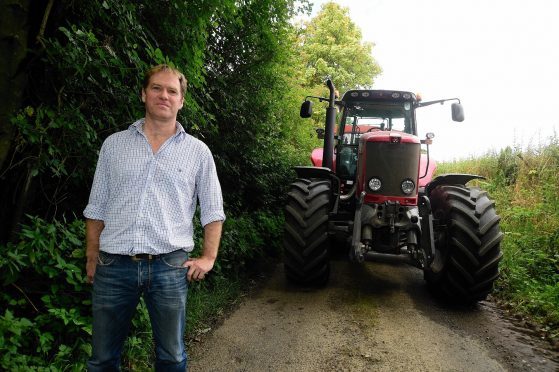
(139, 225)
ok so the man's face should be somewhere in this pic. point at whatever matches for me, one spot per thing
(163, 97)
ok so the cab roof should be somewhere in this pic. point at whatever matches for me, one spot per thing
(378, 95)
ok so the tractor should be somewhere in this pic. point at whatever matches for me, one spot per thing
(371, 194)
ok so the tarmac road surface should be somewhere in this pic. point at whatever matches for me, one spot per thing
(373, 317)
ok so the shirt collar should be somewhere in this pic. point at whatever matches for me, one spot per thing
(139, 127)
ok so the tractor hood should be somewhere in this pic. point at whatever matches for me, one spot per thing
(389, 136)
(426, 167)
(388, 167)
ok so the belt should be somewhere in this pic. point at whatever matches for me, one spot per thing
(144, 256)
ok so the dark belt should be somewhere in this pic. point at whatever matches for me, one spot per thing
(144, 256)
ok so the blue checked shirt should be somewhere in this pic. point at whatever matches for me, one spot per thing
(147, 201)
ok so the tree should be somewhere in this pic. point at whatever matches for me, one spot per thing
(332, 47)
(250, 91)
(73, 78)
(13, 45)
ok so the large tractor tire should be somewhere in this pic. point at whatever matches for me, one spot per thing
(467, 242)
(306, 240)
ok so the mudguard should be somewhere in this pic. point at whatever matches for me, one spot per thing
(451, 179)
(316, 157)
(313, 172)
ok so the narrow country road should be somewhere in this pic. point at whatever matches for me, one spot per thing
(375, 317)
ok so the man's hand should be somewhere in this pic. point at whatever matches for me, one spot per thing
(198, 267)
(93, 230)
(90, 267)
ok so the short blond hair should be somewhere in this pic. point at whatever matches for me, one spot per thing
(163, 67)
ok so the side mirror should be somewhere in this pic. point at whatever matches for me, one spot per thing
(306, 109)
(457, 112)
(320, 133)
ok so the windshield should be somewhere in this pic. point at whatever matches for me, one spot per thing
(363, 117)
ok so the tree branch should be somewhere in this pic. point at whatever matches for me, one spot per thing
(44, 22)
(28, 299)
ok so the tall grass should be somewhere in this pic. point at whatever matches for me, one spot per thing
(524, 184)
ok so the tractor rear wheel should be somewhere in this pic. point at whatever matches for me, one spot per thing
(467, 242)
(306, 238)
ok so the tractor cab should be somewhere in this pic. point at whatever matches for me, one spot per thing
(371, 113)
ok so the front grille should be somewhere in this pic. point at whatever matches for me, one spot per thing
(391, 163)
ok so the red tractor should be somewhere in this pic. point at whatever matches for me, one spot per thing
(372, 187)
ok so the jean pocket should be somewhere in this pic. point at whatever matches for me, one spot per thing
(175, 259)
(105, 259)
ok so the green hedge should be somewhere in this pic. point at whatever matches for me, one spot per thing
(46, 309)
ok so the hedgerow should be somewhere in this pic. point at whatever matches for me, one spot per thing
(523, 183)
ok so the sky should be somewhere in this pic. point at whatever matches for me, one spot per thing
(500, 58)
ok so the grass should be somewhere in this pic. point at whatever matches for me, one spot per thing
(205, 305)
(525, 187)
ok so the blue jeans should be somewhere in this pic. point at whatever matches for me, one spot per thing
(118, 283)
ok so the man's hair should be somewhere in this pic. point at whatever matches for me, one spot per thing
(154, 70)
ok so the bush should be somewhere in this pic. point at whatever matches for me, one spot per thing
(46, 319)
(46, 316)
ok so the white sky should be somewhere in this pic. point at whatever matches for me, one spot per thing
(501, 58)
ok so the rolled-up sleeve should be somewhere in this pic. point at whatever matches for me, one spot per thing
(208, 191)
(99, 195)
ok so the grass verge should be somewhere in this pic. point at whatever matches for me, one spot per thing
(524, 185)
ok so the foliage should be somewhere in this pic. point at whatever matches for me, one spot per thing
(88, 82)
(46, 321)
(524, 186)
(84, 85)
(250, 82)
(246, 77)
(332, 47)
(45, 301)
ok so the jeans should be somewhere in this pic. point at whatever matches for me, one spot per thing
(118, 283)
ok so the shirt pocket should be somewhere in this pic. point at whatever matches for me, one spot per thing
(178, 179)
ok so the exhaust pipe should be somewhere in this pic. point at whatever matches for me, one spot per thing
(328, 151)
(350, 194)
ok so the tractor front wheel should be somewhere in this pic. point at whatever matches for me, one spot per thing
(306, 238)
(467, 242)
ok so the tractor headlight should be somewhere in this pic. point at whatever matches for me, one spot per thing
(375, 184)
(407, 186)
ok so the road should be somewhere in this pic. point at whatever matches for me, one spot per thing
(374, 317)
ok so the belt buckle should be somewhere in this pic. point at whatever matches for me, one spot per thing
(141, 256)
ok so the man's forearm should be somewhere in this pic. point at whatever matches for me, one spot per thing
(93, 229)
(212, 237)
